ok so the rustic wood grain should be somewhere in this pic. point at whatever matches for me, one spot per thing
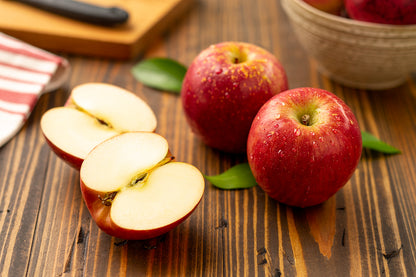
(367, 229)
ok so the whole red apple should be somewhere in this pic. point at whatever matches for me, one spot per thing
(303, 146)
(399, 12)
(223, 89)
(329, 6)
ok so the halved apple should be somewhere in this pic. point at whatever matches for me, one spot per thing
(93, 113)
(134, 190)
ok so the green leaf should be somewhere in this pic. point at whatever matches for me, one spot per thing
(160, 73)
(371, 142)
(237, 177)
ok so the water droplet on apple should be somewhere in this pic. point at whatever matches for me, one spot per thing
(235, 84)
(218, 71)
(321, 138)
(335, 131)
(280, 153)
(296, 132)
(312, 133)
(278, 116)
(283, 103)
(337, 117)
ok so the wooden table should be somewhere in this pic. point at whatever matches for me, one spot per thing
(367, 229)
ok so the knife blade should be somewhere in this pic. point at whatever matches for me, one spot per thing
(95, 14)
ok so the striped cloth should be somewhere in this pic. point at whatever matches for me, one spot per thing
(25, 72)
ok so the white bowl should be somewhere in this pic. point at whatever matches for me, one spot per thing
(354, 53)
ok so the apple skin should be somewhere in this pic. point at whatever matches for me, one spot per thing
(223, 89)
(396, 12)
(101, 215)
(301, 165)
(71, 160)
(329, 6)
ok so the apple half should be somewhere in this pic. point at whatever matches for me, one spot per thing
(93, 113)
(133, 188)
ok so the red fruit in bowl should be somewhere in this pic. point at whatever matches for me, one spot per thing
(303, 146)
(397, 12)
(223, 89)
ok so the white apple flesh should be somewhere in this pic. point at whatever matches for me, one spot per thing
(93, 113)
(134, 190)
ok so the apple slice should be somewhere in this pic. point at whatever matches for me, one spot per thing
(134, 190)
(93, 113)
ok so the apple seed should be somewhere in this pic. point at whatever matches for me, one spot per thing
(142, 176)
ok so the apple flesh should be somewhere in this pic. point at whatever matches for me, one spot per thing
(223, 89)
(397, 12)
(303, 146)
(93, 113)
(329, 6)
(134, 190)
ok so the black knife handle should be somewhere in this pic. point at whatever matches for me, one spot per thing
(95, 14)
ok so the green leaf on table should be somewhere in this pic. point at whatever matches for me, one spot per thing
(160, 73)
(373, 143)
(237, 177)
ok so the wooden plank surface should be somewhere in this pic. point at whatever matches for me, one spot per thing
(367, 229)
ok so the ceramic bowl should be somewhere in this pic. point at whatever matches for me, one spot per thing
(354, 53)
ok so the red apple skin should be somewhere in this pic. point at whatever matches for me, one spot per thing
(101, 215)
(396, 12)
(329, 6)
(73, 161)
(220, 96)
(301, 165)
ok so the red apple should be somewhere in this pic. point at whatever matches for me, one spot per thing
(93, 113)
(329, 6)
(134, 190)
(223, 89)
(399, 12)
(303, 146)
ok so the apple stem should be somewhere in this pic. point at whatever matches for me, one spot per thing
(305, 120)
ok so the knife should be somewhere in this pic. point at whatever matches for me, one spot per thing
(106, 16)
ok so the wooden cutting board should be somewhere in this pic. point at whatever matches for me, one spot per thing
(147, 19)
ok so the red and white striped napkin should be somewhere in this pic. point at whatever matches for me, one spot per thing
(25, 73)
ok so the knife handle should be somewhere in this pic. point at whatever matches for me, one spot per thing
(90, 13)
